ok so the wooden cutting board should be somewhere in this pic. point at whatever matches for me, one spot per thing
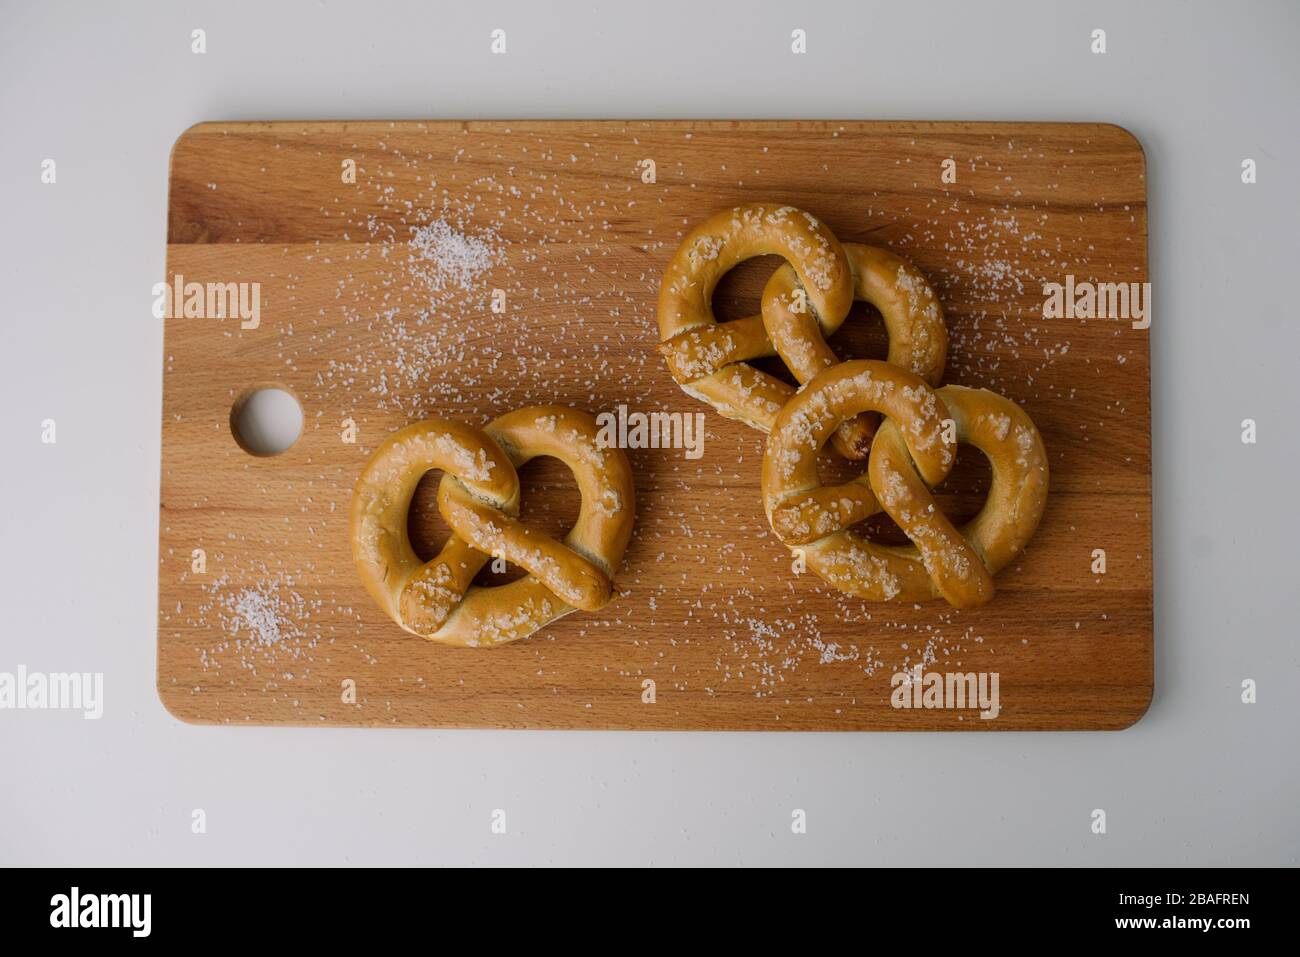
(376, 310)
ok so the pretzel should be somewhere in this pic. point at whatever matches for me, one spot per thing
(807, 299)
(478, 498)
(908, 457)
(918, 337)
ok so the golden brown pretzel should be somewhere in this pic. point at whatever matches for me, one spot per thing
(709, 359)
(479, 499)
(918, 337)
(909, 456)
(806, 300)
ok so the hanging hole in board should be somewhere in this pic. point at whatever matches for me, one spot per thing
(266, 420)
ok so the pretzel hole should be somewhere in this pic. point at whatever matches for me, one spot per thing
(863, 335)
(960, 497)
(835, 469)
(963, 493)
(424, 524)
(549, 502)
(739, 293)
(774, 367)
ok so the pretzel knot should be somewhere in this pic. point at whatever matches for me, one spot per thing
(806, 300)
(908, 457)
(478, 498)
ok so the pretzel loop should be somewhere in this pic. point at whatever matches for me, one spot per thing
(479, 499)
(707, 358)
(805, 300)
(918, 336)
(908, 457)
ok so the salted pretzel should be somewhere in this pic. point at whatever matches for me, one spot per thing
(918, 336)
(805, 301)
(908, 457)
(479, 499)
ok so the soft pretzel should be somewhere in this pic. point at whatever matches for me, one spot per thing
(806, 300)
(709, 359)
(918, 337)
(479, 499)
(908, 457)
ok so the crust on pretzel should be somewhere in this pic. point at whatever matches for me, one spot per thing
(908, 457)
(479, 499)
(586, 561)
(707, 358)
(918, 337)
(1011, 512)
(381, 500)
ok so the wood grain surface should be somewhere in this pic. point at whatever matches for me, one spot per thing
(375, 309)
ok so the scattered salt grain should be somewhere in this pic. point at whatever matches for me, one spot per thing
(443, 256)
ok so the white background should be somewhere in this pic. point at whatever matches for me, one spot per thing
(105, 89)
